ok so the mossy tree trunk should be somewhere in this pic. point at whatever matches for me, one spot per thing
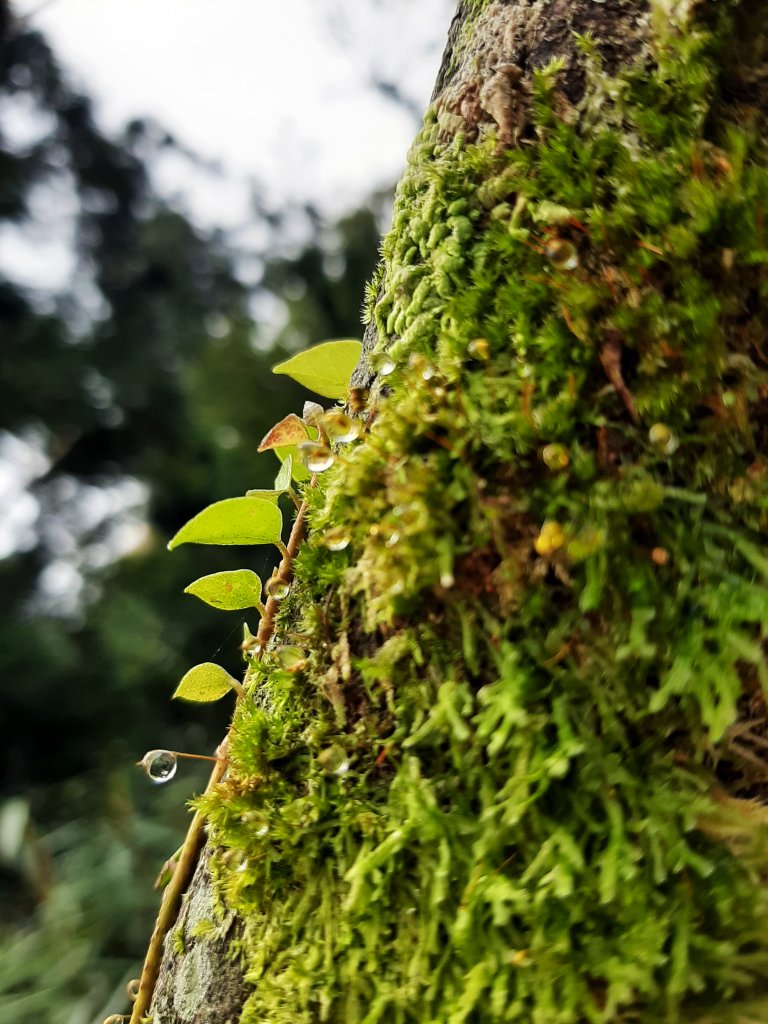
(522, 774)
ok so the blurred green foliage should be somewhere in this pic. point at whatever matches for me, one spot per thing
(152, 368)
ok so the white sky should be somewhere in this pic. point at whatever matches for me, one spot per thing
(276, 89)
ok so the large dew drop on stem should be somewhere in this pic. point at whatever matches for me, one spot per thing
(160, 765)
(340, 427)
(277, 588)
(316, 457)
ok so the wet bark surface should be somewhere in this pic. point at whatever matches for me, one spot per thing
(200, 980)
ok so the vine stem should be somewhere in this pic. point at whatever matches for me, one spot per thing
(195, 838)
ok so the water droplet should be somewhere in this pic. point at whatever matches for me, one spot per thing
(479, 348)
(290, 657)
(261, 832)
(278, 588)
(357, 399)
(382, 363)
(160, 765)
(555, 456)
(340, 427)
(550, 539)
(337, 538)
(334, 760)
(660, 556)
(664, 438)
(419, 364)
(311, 412)
(562, 255)
(132, 988)
(729, 399)
(447, 580)
(251, 648)
(316, 457)
(393, 538)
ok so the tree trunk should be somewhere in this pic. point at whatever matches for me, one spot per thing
(522, 775)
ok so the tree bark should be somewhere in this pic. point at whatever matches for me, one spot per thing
(541, 590)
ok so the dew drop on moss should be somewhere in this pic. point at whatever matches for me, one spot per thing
(382, 363)
(334, 760)
(555, 456)
(337, 538)
(479, 348)
(663, 438)
(316, 457)
(562, 255)
(160, 765)
(277, 588)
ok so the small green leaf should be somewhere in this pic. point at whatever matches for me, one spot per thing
(325, 368)
(206, 683)
(259, 492)
(284, 477)
(232, 521)
(299, 471)
(230, 591)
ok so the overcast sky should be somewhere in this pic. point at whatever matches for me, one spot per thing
(280, 90)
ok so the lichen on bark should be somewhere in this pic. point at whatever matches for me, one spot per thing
(521, 774)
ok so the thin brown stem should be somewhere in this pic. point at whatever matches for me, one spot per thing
(195, 838)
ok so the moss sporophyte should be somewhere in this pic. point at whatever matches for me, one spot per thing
(501, 750)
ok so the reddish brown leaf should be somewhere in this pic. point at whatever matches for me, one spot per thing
(288, 431)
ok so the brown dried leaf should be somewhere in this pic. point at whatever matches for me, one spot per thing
(290, 430)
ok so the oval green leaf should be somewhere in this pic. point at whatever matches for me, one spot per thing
(284, 477)
(299, 471)
(259, 492)
(230, 591)
(325, 368)
(205, 683)
(232, 521)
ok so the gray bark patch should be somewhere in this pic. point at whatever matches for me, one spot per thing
(200, 980)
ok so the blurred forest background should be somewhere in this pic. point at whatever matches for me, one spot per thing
(128, 403)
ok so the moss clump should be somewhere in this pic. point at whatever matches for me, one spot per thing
(513, 780)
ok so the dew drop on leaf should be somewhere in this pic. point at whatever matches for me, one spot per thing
(340, 427)
(555, 456)
(336, 539)
(562, 255)
(334, 760)
(663, 438)
(316, 457)
(382, 363)
(277, 588)
(160, 765)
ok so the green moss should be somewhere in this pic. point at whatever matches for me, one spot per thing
(496, 791)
